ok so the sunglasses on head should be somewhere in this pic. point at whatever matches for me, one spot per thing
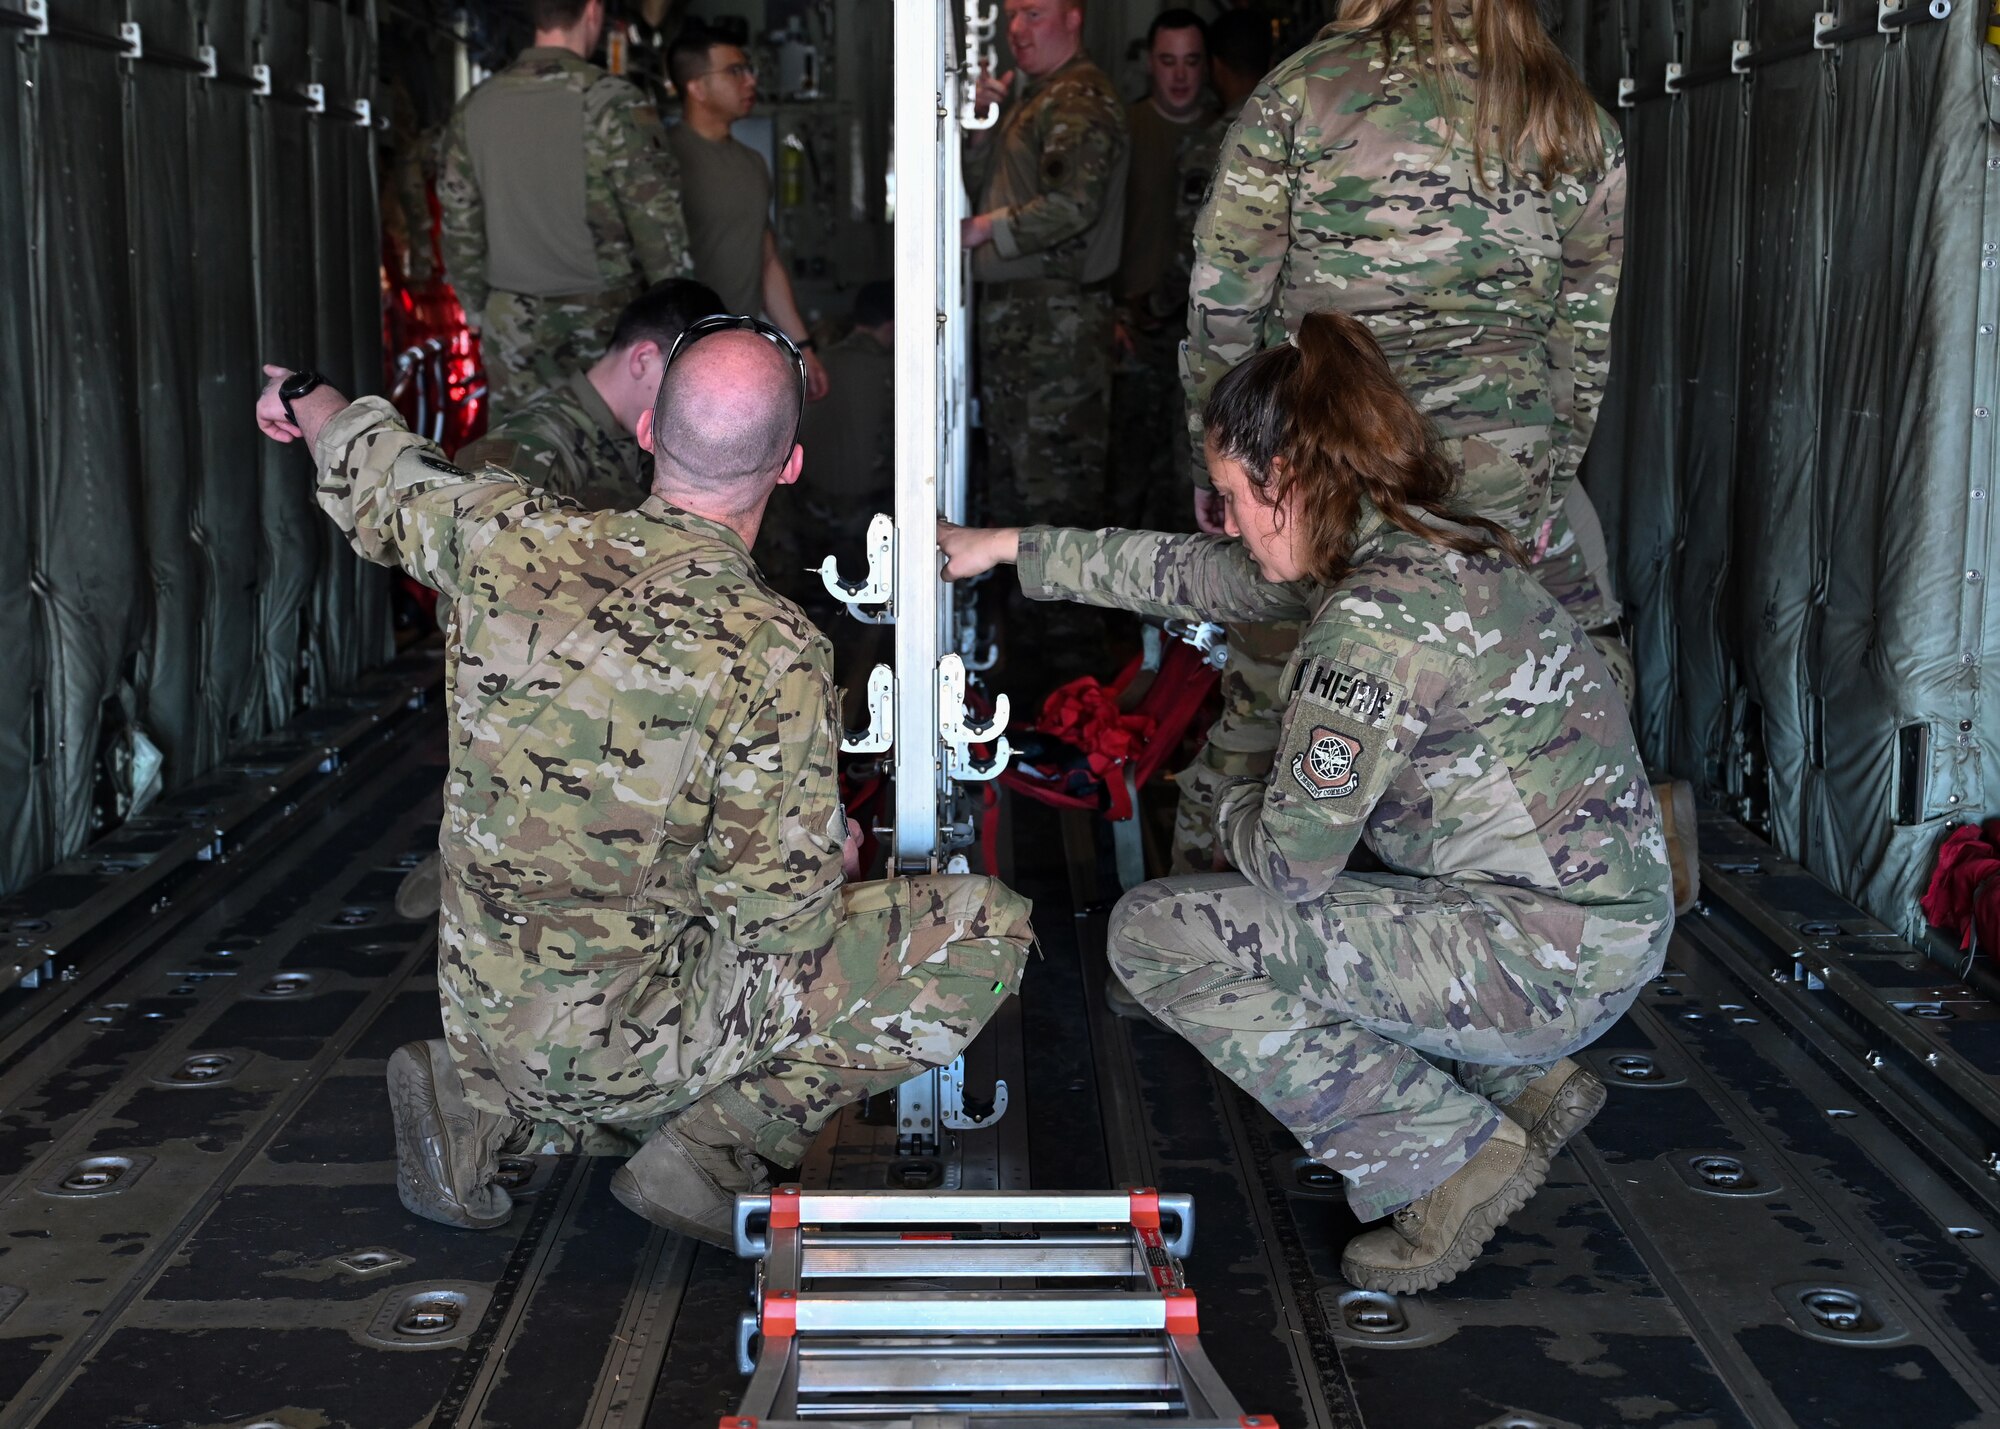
(726, 322)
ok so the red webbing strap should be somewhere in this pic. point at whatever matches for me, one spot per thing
(785, 1208)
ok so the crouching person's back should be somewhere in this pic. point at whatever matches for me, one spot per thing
(648, 941)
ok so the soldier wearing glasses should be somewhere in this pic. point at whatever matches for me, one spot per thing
(728, 190)
(649, 942)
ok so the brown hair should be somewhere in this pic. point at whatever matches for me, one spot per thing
(1530, 96)
(1322, 419)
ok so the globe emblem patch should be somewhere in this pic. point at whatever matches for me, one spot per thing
(1330, 766)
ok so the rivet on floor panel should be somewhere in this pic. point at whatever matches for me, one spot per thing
(1372, 1312)
(95, 1176)
(1968, 1233)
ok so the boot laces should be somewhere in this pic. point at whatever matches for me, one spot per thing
(1409, 1220)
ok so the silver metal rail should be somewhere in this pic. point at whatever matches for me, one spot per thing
(874, 1308)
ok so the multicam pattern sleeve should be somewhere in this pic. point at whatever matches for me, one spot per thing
(632, 192)
(462, 220)
(1190, 577)
(400, 503)
(1579, 342)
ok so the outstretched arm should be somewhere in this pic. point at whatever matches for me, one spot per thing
(1189, 577)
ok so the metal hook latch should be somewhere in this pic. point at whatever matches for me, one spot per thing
(959, 732)
(874, 588)
(879, 733)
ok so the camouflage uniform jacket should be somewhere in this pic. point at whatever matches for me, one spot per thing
(641, 746)
(631, 181)
(1442, 708)
(1048, 173)
(1343, 184)
(567, 443)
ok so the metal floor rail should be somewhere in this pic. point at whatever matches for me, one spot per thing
(935, 1308)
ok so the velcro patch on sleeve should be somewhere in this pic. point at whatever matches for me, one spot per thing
(1362, 698)
(1338, 724)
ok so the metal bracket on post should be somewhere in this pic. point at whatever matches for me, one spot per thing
(916, 1115)
(260, 81)
(1627, 88)
(877, 586)
(951, 1100)
(879, 733)
(1672, 83)
(364, 113)
(1825, 22)
(315, 98)
(132, 44)
(37, 12)
(980, 25)
(1885, 11)
(1739, 57)
(205, 57)
(958, 732)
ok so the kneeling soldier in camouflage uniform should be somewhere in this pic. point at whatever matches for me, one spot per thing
(580, 439)
(646, 934)
(1444, 710)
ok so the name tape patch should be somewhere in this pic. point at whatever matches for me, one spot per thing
(1362, 697)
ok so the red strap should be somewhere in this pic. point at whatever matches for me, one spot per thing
(781, 1315)
(1181, 1316)
(1146, 1208)
(785, 1208)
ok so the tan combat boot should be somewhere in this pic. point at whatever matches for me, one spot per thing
(417, 896)
(1440, 1233)
(447, 1152)
(1677, 821)
(1557, 1105)
(687, 1175)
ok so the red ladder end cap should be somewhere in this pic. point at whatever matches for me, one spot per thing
(785, 1208)
(781, 1315)
(738, 1421)
(1182, 1318)
(1248, 1421)
(1146, 1208)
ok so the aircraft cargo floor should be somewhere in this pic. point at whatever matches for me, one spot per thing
(1786, 1215)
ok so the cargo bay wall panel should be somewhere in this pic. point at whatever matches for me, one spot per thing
(167, 582)
(1795, 457)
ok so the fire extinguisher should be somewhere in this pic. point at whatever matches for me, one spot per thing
(792, 171)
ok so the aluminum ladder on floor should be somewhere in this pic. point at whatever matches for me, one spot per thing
(931, 1309)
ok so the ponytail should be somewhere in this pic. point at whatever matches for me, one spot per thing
(1529, 95)
(1322, 425)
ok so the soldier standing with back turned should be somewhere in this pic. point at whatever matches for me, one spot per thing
(1049, 187)
(561, 204)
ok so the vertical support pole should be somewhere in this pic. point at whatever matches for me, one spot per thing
(921, 121)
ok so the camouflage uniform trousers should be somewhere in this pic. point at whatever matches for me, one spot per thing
(1342, 1015)
(529, 344)
(918, 966)
(1570, 562)
(1045, 405)
(1144, 489)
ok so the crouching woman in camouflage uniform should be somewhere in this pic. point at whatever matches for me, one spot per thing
(1411, 1027)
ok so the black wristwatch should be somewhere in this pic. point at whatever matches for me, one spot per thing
(295, 387)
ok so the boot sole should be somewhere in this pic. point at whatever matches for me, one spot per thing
(413, 1101)
(1480, 1224)
(1582, 1097)
(625, 1191)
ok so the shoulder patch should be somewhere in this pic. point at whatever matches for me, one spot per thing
(439, 464)
(1329, 767)
(1355, 694)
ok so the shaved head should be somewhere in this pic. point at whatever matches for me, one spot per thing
(726, 419)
